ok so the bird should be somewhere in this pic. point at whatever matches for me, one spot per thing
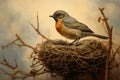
(71, 28)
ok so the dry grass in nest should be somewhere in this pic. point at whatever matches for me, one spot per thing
(88, 56)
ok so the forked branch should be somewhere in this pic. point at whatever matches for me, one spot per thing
(109, 32)
(22, 43)
(15, 70)
(37, 29)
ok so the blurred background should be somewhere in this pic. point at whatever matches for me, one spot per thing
(15, 16)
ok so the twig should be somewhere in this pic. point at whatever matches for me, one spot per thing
(5, 72)
(4, 46)
(16, 70)
(113, 66)
(18, 44)
(5, 63)
(109, 30)
(116, 51)
(104, 19)
(20, 39)
(23, 43)
(37, 22)
(37, 29)
(35, 63)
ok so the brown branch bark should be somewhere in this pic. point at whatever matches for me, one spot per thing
(114, 55)
(104, 19)
(20, 39)
(16, 70)
(37, 29)
(4, 46)
(23, 43)
(114, 66)
(109, 30)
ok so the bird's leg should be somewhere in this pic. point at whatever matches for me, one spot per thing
(76, 40)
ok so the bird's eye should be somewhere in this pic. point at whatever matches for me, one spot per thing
(60, 15)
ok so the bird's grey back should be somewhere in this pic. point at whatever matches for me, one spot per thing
(74, 24)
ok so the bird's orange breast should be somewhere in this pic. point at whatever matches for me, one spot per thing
(65, 31)
(59, 26)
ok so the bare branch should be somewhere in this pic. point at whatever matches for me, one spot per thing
(14, 42)
(37, 29)
(109, 31)
(5, 72)
(5, 63)
(5, 46)
(116, 51)
(114, 66)
(104, 18)
(16, 70)
(37, 22)
(23, 43)
(35, 63)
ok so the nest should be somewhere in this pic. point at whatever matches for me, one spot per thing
(87, 56)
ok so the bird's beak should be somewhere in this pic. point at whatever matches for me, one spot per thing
(51, 16)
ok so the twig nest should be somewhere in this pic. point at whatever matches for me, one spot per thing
(87, 56)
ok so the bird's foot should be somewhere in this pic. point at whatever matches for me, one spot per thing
(74, 42)
(71, 44)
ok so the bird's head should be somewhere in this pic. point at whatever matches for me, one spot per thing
(59, 14)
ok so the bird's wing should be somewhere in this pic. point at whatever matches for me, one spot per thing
(74, 24)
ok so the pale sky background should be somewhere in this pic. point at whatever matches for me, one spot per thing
(15, 16)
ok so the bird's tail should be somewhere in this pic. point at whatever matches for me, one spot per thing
(99, 36)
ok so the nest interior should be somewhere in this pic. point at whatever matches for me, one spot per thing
(86, 57)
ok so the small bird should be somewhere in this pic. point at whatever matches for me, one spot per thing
(70, 28)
